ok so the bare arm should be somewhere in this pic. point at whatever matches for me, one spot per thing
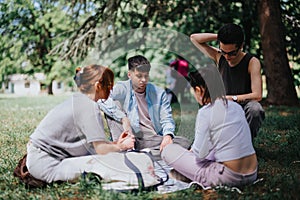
(125, 142)
(106, 147)
(200, 40)
(126, 125)
(256, 79)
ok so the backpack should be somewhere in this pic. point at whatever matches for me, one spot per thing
(24, 176)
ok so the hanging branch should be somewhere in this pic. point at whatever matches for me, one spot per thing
(80, 42)
(78, 45)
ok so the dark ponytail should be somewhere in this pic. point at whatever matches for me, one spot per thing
(208, 78)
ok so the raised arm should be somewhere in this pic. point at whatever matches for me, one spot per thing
(200, 40)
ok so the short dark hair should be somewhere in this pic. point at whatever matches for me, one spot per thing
(231, 34)
(139, 62)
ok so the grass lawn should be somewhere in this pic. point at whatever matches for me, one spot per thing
(277, 147)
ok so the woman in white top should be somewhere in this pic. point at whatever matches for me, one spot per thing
(222, 152)
(65, 143)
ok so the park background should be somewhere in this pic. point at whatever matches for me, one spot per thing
(45, 41)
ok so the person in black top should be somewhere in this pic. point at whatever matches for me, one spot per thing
(240, 71)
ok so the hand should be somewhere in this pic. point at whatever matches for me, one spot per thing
(167, 139)
(126, 141)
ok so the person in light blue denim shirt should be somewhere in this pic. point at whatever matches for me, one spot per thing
(146, 106)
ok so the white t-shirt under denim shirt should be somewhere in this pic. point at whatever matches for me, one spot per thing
(222, 132)
(159, 108)
(69, 129)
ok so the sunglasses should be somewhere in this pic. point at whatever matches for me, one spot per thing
(231, 53)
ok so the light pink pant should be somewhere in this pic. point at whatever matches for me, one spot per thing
(206, 172)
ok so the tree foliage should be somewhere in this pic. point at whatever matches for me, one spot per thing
(29, 30)
(39, 32)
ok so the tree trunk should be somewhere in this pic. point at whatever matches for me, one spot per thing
(247, 23)
(280, 85)
(50, 88)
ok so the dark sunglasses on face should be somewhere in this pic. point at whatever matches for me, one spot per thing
(231, 53)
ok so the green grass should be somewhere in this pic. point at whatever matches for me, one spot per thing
(277, 147)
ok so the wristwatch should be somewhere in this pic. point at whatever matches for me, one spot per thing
(234, 98)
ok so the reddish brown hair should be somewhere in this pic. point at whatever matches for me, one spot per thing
(85, 78)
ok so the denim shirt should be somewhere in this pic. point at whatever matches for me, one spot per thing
(159, 107)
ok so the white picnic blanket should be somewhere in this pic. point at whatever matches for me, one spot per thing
(172, 185)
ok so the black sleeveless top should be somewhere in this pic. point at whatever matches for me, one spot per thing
(236, 79)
